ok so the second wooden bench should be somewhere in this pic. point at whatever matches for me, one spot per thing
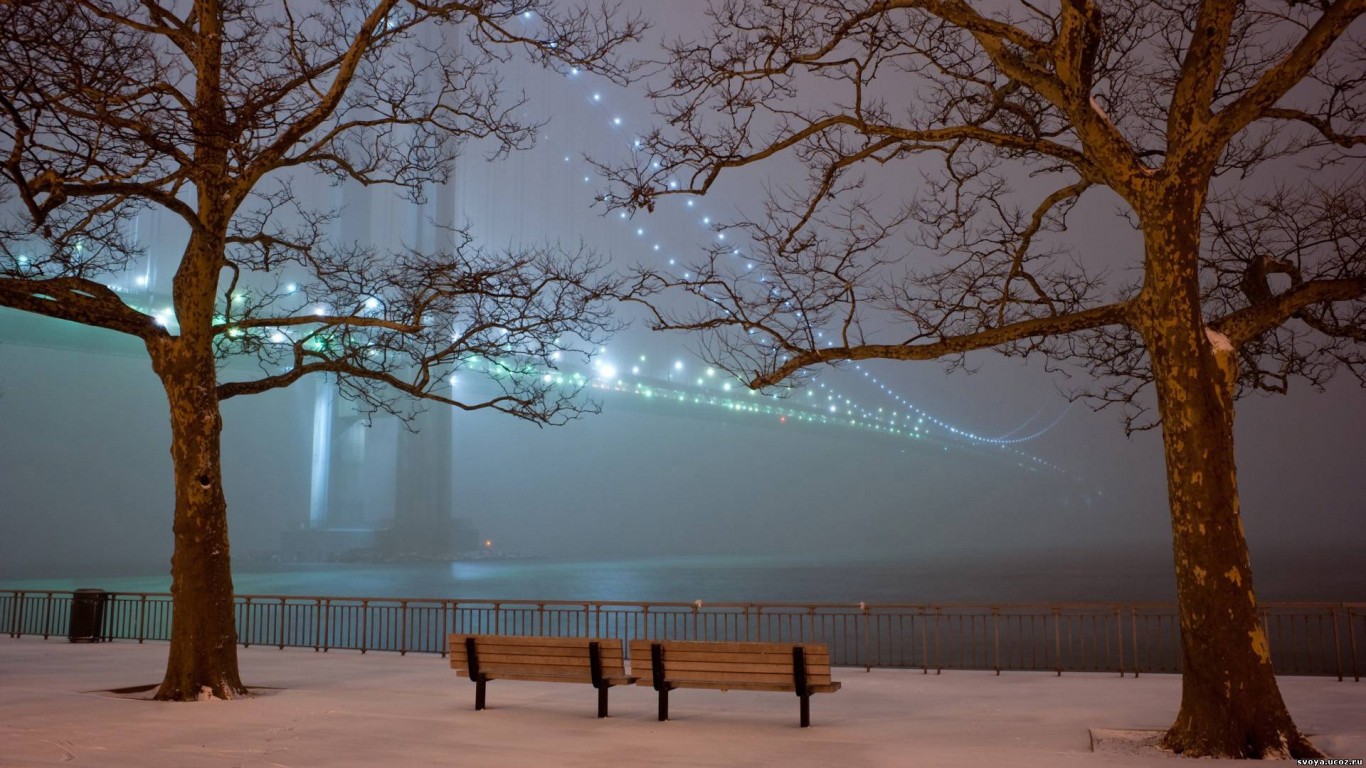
(545, 659)
(801, 668)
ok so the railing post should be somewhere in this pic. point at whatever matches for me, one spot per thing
(17, 618)
(1352, 644)
(47, 616)
(327, 624)
(1119, 637)
(863, 623)
(402, 627)
(1337, 643)
(445, 628)
(246, 622)
(282, 624)
(364, 626)
(317, 622)
(996, 633)
(142, 617)
(1057, 639)
(924, 643)
(938, 653)
(1133, 628)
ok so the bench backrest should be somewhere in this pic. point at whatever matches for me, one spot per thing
(550, 656)
(712, 662)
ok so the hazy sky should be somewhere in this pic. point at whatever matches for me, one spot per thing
(85, 473)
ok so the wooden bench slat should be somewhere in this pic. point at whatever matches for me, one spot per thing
(541, 669)
(607, 648)
(778, 678)
(767, 664)
(729, 646)
(719, 657)
(750, 686)
(544, 678)
(534, 640)
(581, 660)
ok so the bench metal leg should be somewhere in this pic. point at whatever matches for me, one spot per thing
(479, 695)
(602, 701)
(806, 711)
(663, 704)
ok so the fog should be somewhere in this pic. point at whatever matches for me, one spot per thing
(85, 474)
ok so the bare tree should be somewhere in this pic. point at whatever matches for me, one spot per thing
(212, 111)
(1181, 110)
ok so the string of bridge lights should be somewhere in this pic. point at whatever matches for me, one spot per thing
(711, 389)
(595, 98)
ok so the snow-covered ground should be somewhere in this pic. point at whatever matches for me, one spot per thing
(342, 709)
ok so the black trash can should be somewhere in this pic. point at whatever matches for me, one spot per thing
(87, 616)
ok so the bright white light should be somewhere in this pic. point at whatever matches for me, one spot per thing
(607, 371)
(635, 370)
(454, 380)
(640, 232)
(706, 219)
(291, 288)
(554, 355)
(141, 279)
(720, 235)
(371, 303)
(573, 70)
(320, 311)
(277, 338)
(690, 202)
(623, 214)
(656, 246)
(616, 121)
(673, 185)
(711, 372)
(597, 97)
(566, 158)
(678, 365)
(526, 15)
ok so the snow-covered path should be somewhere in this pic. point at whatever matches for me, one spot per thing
(342, 709)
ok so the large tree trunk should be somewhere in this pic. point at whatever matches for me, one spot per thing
(1230, 703)
(203, 656)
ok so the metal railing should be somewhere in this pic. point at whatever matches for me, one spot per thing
(1305, 638)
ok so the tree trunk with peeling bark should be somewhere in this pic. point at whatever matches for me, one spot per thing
(203, 656)
(1230, 703)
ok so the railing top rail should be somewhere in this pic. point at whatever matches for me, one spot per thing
(723, 605)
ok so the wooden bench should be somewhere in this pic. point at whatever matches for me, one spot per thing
(802, 668)
(545, 659)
